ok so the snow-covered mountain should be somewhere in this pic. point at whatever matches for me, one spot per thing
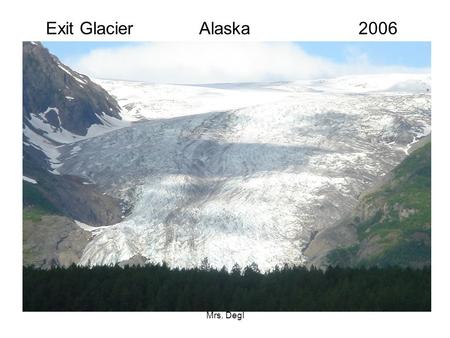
(243, 173)
(141, 101)
(60, 106)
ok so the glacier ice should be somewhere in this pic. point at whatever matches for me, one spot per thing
(242, 181)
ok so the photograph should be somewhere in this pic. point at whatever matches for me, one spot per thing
(226, 176)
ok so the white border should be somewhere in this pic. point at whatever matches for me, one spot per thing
(180, 21)
(283, 20)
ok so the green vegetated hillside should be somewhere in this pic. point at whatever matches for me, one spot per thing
(393, 222)
(35, 204)
(49, 238)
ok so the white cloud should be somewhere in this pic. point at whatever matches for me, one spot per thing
(211, 62)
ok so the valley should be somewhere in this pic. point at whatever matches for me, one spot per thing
(232, 173)
(243, 185)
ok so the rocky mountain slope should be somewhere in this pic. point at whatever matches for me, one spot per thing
(391, 225)
(59, 96)
(60, 106)
(51, 240)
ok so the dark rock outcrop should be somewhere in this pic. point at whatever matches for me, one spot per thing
(72, 197)
(49, 83)
(79, 103)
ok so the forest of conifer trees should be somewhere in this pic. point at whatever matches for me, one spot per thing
(158, 288)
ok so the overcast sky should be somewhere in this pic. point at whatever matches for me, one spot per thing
(215, 62)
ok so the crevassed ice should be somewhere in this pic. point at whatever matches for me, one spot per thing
(250, 184)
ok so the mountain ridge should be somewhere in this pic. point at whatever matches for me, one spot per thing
(60, 106)
(65, 98)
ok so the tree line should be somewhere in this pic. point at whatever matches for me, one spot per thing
(159, 288)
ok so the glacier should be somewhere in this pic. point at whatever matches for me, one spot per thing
(243, 173)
